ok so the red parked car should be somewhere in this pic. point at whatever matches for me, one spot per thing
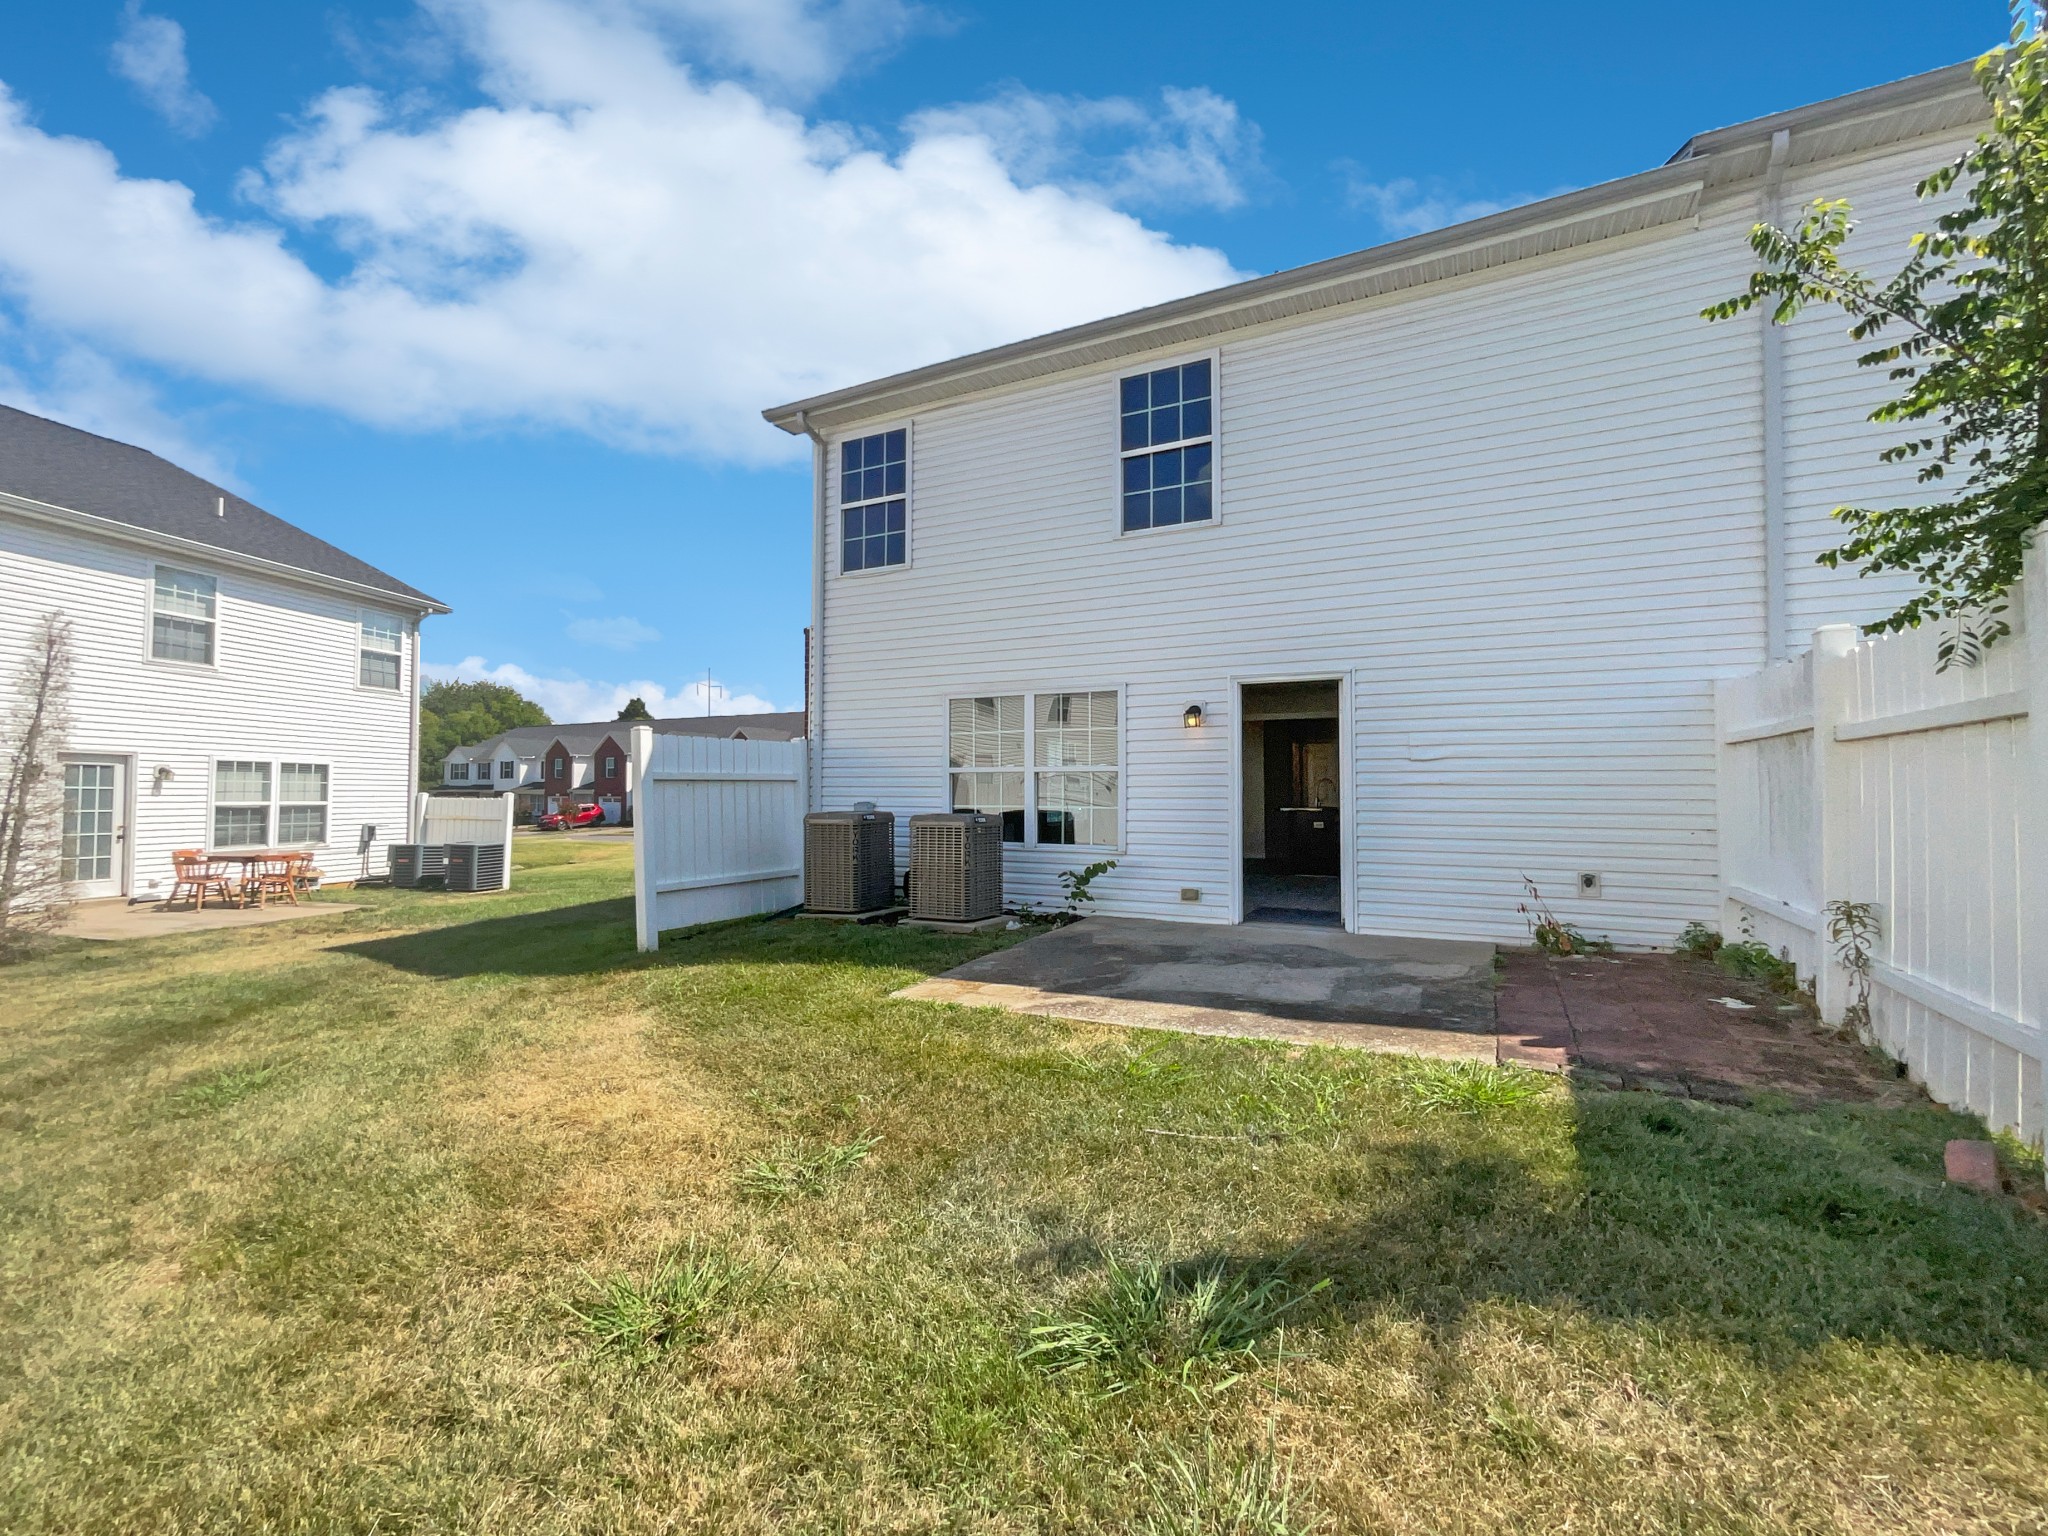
(574, 816)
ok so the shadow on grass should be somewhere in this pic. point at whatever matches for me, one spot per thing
(558, 941)
(1770, 1232)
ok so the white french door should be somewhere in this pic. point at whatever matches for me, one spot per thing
(94, 828)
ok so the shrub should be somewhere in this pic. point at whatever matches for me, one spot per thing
(1756, 962)
(1699, 941)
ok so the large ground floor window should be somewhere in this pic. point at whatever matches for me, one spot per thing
(1046, 764)
(258, 804)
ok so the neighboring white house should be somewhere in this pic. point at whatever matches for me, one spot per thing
(237, 682)
(1370, 587)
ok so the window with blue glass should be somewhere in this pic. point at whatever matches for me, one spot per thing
(1169, 449)
(874, 481)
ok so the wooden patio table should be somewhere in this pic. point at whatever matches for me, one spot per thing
(249, 858)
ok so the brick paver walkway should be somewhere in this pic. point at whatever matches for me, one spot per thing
(1656, 1022)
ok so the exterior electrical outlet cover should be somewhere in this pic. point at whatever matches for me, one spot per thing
(849, 861)
(956, 867)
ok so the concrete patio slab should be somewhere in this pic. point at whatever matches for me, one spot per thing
(117, 920)
(1432, 997)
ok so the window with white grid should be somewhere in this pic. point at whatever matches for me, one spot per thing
(383, 643)
(301, 803)
(1074, 763)
(241, 804)
(985, 752)
(181, 616)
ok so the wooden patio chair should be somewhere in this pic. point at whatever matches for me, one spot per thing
(279, 877)
(193, 875)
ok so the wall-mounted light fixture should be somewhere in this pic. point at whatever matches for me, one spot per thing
(1191, 717)
(163, 775)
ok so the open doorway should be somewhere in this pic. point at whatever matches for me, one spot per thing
(1293, 804)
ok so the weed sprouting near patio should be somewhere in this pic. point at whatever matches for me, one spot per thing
(335, 1298)
(1471, 1087)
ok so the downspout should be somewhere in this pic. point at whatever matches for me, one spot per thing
(814, 679)
(412, 743)
(1775, 532)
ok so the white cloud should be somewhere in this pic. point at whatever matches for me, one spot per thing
(1194, 151)
(149, 53)
(610, 242)
(1406, 206)
(619, 634)
(571, 700)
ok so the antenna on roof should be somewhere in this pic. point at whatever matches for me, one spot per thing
(220, 508)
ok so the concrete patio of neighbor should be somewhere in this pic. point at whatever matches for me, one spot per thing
(119, 919)
(1433, 997)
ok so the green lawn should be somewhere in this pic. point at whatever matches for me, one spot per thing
(360, 1224)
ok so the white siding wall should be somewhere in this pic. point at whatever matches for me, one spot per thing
(1521, 513)
(284, 689)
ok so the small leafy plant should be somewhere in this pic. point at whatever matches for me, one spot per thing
(1755, 961)
(1200, 1326)
(1551, 935)
(1852, 929)
(796, 1174)
(1699, 941)
(638, 1318)
(1471, 1087)
(1295, 1103)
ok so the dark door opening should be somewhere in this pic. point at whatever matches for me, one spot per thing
(1293, 803)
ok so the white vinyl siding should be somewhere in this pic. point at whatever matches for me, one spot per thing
(182, 616)
(1519, 513)
(380, 663)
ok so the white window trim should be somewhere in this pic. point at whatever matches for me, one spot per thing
(272, 806)
(1215, 440)
(364, 649)
(453, 777)
(149, 654)
(837, 506)
(1031, 771)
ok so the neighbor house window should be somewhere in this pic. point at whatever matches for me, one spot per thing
(383, 642)
(558, 767)
(457, 771)
(1045, 763)
(1169, 449)
(611, 766)
(181, 616)
(302, 802)
(874, 485)
(985, 753)
(241, 805)
(505, 768)
(1074, 761)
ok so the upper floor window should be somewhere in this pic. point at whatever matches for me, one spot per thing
(383, 643)
(505, 768)
(181, 616)
(457, 771)
(558, 767)
(1169, 448)
(611, 766)
(874, 485)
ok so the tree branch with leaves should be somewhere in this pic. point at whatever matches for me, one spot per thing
(1963, 326)
(32, 787)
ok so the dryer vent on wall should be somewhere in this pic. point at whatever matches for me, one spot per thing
(849, 861)
(956, 867)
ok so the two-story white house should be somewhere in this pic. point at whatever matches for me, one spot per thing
(237, 682)
(1358, 592)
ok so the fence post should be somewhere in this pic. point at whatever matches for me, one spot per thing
(646, 920)
(1835, 809)
(505, 837)
(2033, 837)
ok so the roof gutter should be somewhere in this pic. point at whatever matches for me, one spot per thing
(114, 528)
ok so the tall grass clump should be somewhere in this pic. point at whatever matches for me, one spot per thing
(636, 1319)
(1471, 1087)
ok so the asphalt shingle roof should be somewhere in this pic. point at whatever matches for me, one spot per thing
(783, 725)
(61, 466)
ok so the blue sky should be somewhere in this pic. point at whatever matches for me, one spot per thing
(490, 292)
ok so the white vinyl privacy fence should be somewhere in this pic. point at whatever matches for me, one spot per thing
(485, 819)
(1858, 772)
(718, 830)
